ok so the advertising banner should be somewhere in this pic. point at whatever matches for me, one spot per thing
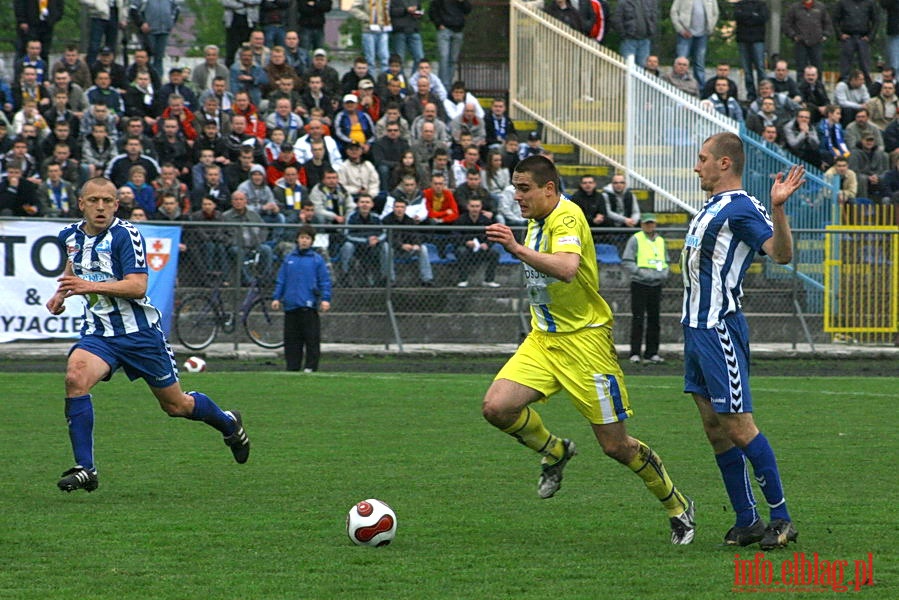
(31, 261)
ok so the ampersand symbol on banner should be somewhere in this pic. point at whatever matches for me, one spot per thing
(31, 297)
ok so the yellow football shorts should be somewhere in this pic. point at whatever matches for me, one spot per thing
(584, 363)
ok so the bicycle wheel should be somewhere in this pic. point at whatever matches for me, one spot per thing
(196, 321)
(265, 326)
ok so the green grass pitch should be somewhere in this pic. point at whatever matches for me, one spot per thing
(176, 518)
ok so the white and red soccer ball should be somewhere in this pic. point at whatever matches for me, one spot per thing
(194, 364)
(371, 523)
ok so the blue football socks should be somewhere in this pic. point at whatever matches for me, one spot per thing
(764, 466)
(208, 411)
(80, 417)
(739, 489)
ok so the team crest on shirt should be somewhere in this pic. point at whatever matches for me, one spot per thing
(158, 252)
(714, 209)
(104, 247)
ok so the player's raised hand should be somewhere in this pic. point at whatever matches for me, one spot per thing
(498, 232)
(783, 187)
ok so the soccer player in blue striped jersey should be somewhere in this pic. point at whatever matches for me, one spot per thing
(570, 346)
(721, 242)
(106, 263)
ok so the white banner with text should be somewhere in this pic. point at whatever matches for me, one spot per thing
(30, 262)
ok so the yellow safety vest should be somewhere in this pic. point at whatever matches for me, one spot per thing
(651, 254)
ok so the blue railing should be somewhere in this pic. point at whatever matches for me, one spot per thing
(811, 207)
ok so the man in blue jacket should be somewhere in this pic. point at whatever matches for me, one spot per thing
(303, 288)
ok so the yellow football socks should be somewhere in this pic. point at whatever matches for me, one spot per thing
(648, 466)
(529, 430)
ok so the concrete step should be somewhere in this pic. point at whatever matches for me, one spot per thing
(489, 328)
(475, 300)
(418, 328)
(510, 328)
(436, 300)
(604, 126)
(561, 149)
(670, 219)
(579, 170)
(619, 150)
(523, 126)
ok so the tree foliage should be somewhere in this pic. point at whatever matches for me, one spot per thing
(67, 31)
(208, 28)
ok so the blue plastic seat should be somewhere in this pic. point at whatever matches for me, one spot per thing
(504, 257)
(406, 259)
(607, 254)
(435, 258)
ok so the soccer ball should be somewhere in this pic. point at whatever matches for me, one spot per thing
(371, 523)
(194, 364)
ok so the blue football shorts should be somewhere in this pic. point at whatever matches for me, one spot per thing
(145, 354)
(716, 364)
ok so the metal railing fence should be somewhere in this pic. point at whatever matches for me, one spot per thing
(618, 114)
(861, 276)
(380, 297)
(368, 308)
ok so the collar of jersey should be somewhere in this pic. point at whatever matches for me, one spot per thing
(719, 195)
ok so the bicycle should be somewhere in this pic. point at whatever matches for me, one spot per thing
(200, 316)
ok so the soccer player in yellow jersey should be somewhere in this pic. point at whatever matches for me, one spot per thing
(570, 346)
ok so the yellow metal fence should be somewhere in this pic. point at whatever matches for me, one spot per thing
(861, 276)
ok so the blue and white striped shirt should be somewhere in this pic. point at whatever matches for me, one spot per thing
(117, 251)
(721, 243)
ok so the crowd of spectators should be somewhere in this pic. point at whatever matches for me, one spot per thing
(270, 133)
(853, 126)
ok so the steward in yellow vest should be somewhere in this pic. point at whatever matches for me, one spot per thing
(645, 258)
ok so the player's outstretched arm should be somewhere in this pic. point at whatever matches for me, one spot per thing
(780, 246)
(561, 265)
